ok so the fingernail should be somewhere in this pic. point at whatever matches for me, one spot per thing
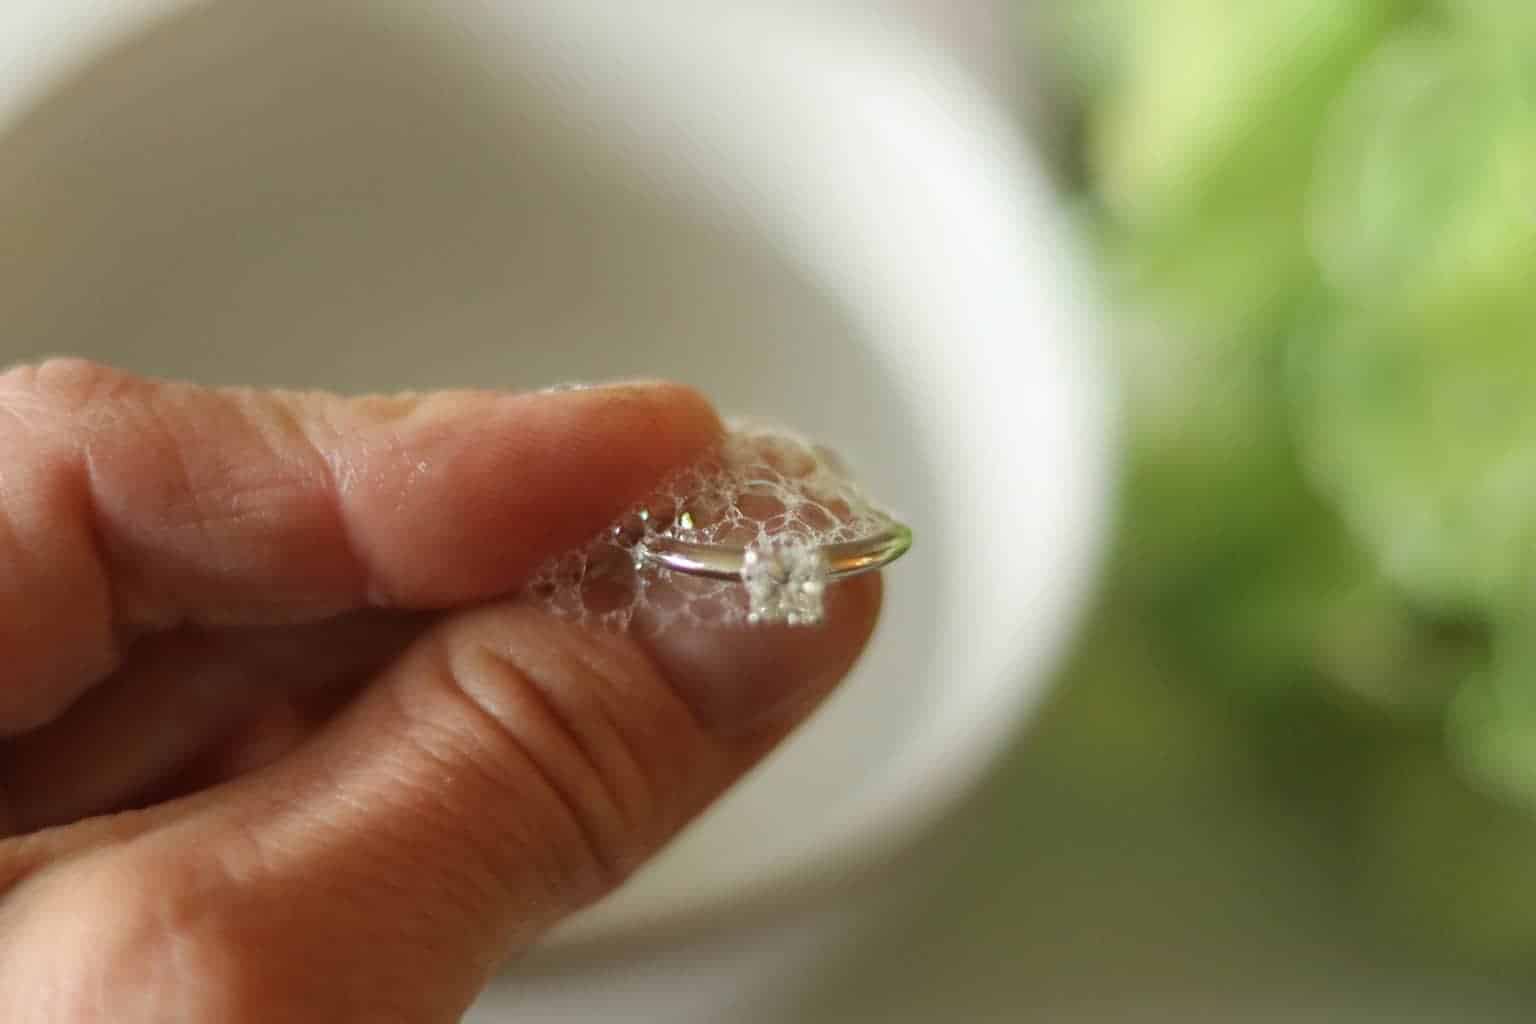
(763, 679)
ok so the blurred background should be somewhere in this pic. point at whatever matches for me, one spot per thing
(1291, 772)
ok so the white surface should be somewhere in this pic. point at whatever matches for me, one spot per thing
(905, 194)
(819, 222)
(41, 41)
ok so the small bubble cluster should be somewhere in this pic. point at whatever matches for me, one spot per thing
(763, 489)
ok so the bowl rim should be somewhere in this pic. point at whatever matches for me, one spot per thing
(803, 63)
(814, 69)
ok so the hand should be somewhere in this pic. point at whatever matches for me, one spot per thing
(274, 743)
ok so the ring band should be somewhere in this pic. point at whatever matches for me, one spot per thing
(724, 562)
(783, 583)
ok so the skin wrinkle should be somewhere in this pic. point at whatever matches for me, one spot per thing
(465, 891)
(10, 537)
(605, 868)
(411, 726)
(638, 805)
(274, 423)
(279, 429)
(275, 428)
(121, 632)
(346, 462)
(137, 608)
(322, 845)
(597, 660)
(490, 854)
(589, 755)
(27, 410)
(64, 477)
(343, 466)
(84, 382)
(330, 463)
(297, 491)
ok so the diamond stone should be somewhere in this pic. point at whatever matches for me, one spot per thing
(786, 582)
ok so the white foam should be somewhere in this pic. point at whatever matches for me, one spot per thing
(764, 489)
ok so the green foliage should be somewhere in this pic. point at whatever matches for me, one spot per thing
(1320, 220)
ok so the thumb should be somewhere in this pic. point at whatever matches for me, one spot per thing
(509, 769)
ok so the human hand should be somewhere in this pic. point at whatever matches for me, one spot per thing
(275, 744)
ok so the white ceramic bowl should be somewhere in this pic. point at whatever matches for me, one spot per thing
(814, 219)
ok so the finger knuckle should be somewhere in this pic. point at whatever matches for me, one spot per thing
(65, 380)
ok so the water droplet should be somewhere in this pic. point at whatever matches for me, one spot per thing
(630, 530)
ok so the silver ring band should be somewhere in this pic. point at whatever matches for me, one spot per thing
(724, 562)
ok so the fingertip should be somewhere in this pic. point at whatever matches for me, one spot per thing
(493, 484)
(512, 766)
(751, 683)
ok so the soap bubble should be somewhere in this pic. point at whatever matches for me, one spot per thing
(764, 489)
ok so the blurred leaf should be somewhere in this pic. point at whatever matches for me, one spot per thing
(1426, 185)
(1447, 864)
(1492, 728)
(1320, 222)
(1493, 738)
(1425, 436)
(1512, 21)
(1090, 40)
(1220, 100)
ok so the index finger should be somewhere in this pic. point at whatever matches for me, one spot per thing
(129, 504)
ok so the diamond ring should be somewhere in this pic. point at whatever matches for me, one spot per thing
(785, 581)
(753, 532)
